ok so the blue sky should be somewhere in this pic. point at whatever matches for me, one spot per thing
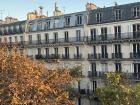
(19, 8)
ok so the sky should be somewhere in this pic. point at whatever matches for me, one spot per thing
(19, 8)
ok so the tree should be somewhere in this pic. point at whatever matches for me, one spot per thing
(27, 82)
(118, 91)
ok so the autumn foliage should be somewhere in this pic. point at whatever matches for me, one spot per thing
(27, 82)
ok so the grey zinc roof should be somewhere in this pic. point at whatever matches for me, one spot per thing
(108, 13)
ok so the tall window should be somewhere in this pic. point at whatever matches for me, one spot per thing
(104, 67)
(39, 38)
(46, 37)
(56, 23)
(93, 68)
(93, 34)
(99, 17)
(56, 37)
(67, 21)
(78, 35)
(39, 51)
(56, 51)
(66, 56)
(117, 32)
(118, 67)
(117, 48)
(10, 39)
(137, 70)
(66, 33)
(104, 33)
(136, 11)
(79, 20)
(47, 25)
(30, 39)
(136, 30)
(21, 39)
(118, 14)
(104, 51)
(39, 26)
(47, 52)
(16, 39)
(94, 86)
(136, 48)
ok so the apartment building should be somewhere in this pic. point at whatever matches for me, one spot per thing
(99, 40)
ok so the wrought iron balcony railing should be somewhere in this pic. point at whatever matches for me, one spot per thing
(117, 55)
(77, 56)
(135, 55)
(92, 56)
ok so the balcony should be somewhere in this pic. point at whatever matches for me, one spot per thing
(39, 57)
(92, 56)
(133, 76)
(60, 41)
(103, 56)
(65, 56)
(114, 37)
(96, 74)
(116, 55)
(135, 55)
(77, 56)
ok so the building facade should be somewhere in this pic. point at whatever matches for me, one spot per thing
(99, 40)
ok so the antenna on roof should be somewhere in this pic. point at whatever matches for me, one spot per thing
(1, 15)
(115, 3)
(64, 9)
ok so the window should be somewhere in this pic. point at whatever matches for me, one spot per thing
(78, 35)
(56, 37)
(93, 68)
(67, 21)
(94, 86)
(104, 51)
(39, 51)
(117, 48)
(66, 56)
(47, 52)
(137, 70)
(30, 27)
(118, 67)
(56, 51)
(118, 14)
(66, 36)
(47, 25)
(39, 38)
(79, 20)
(10, 39)
(99, 17)
(117, 32)
(21, 39)
(30, 39)
(136, 30)
(77, 52)
(136, 11)
(104, 33)
(56, 23)
(16, 39)
(39, 26)
(46, 37)
(104, 67)
(93, 34)
(0, 40)
(136, 48)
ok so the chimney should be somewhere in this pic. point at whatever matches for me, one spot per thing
(90, 6)
(57, 12)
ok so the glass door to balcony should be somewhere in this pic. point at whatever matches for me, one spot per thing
(46, 38)
(47, 53)
(117, 32)
(66, 36)
(137, 70)
(93, 68)
(136, 31)
(78, 35)
(104, 33)
(66, 56)
(104, 51)
(93, 34)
